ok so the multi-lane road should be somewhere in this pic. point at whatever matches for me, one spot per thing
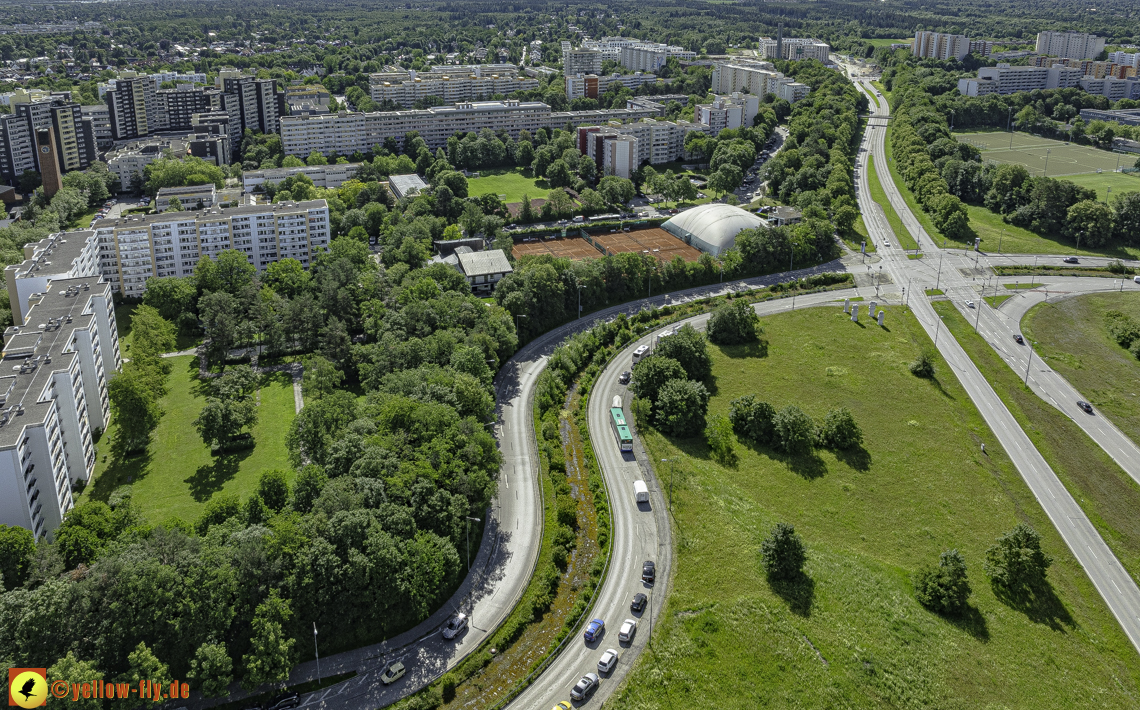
(1114, 584)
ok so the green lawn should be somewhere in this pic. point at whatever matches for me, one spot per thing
(1042, 156)
(123, 313)
(995, 233)
(509, 185)
(1073, 339)
(1108, 496)
(177, 475)
(853, 636)
(1101, 182)
(996, 301)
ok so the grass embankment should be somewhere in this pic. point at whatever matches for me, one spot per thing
(854, 635)
(900, 235)
(177, 474)
(1107, 495)
(1072, 338)
(509, 185)
(1000, 237)
(996, 301)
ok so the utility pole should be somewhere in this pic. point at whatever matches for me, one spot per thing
(937, 329)
(939, 277)
(1028, 363)
(469, 519)
(317, 653)
(517, 316)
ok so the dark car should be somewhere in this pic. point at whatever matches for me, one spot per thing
(623, 378)
(1085, 406)
(648, 572)
(1070, 260)
(285, 700)
(594, 630)
(1020, 340)
(638, 603)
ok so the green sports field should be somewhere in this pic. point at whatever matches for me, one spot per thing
(1043, 156)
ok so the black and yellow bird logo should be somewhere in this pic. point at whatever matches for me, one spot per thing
(27, 687)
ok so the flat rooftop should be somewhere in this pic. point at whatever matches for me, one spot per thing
(141, 220)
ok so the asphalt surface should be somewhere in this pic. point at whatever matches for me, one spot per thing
(1109, 577)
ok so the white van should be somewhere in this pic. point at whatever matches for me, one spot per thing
(1136, 279)
(640, 492)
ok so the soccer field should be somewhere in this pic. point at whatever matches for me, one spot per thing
(1043, 156)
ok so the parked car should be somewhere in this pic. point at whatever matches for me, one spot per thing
(1017, 337)
(1085, 406)
(608, 660)
(648, 572)
(285, 700)
(393, 673)
(594, 630)
(584, 687)
(455, 626)
(627, 630)
(1070, 260)
(623, 378)
(638, 603)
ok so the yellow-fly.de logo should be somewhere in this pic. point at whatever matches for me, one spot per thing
(27, 687)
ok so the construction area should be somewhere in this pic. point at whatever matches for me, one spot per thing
(653, 241)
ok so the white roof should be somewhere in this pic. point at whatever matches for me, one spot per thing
(484, 263)
(712, 227)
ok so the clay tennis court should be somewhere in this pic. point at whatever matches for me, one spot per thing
(574, 248)
(656, 241)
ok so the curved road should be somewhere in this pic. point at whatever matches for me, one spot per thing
(1109, 577)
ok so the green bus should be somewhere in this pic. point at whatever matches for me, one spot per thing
(621, 430)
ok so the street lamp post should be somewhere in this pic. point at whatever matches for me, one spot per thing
(317, 653)
(1045, 172)
(469, 519)
(517, 316)
(937, 329)
(1029, 363)
(1000, 238)
(939, 277)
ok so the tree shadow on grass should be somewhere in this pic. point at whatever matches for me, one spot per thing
(856, 457)
(121, 471)
(1040, 605)
(942, 390)
(798, 592)
(210, 478)
(972, 622)
(810, 464)
(757, 348)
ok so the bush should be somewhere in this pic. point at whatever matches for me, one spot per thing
(719, 436)
(1017, 562)
(794, 430)
(840, 430)
(943, 589)
(681, 407)
(733, 323)
(923, 366)
(1122, 328)
(651, 374)
(752, 419)
(783, 552)
(689, 348)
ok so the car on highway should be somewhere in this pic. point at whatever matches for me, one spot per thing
(1085, 406)
(608, 660)
(455, 626)
(564, 705)
(584, 687)
(627, 630)
(623, 378)
(393, 673)
(638, 603)
(969, 304)
(594, 630)
(1020, 340)
(285, 701)
(648, 572)
(1070, 260)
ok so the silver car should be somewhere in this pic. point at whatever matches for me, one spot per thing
(455, 626)
(585, 687)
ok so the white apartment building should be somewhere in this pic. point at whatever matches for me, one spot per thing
(650, 56)
(610, 47)
(1131, 59)
(939, 45)
(793, 91)
(758, 78)
(59, 355)
(591, 86)
(1069, 45)
(1004, 79)
(794, 49)
(344, 133)
(657, 141)
(1112, 88)
(581, 61)
(405, 88)
(732, 111)
(134, 248)
(619, 156)
(330, 176)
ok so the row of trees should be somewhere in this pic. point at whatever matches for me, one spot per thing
(669, 384)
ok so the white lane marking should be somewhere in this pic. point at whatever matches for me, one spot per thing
(1094, 554)
(1117, 587)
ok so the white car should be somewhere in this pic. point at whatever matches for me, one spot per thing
(627, 630)
(969, 304)
(608, 660)
(455, 626)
